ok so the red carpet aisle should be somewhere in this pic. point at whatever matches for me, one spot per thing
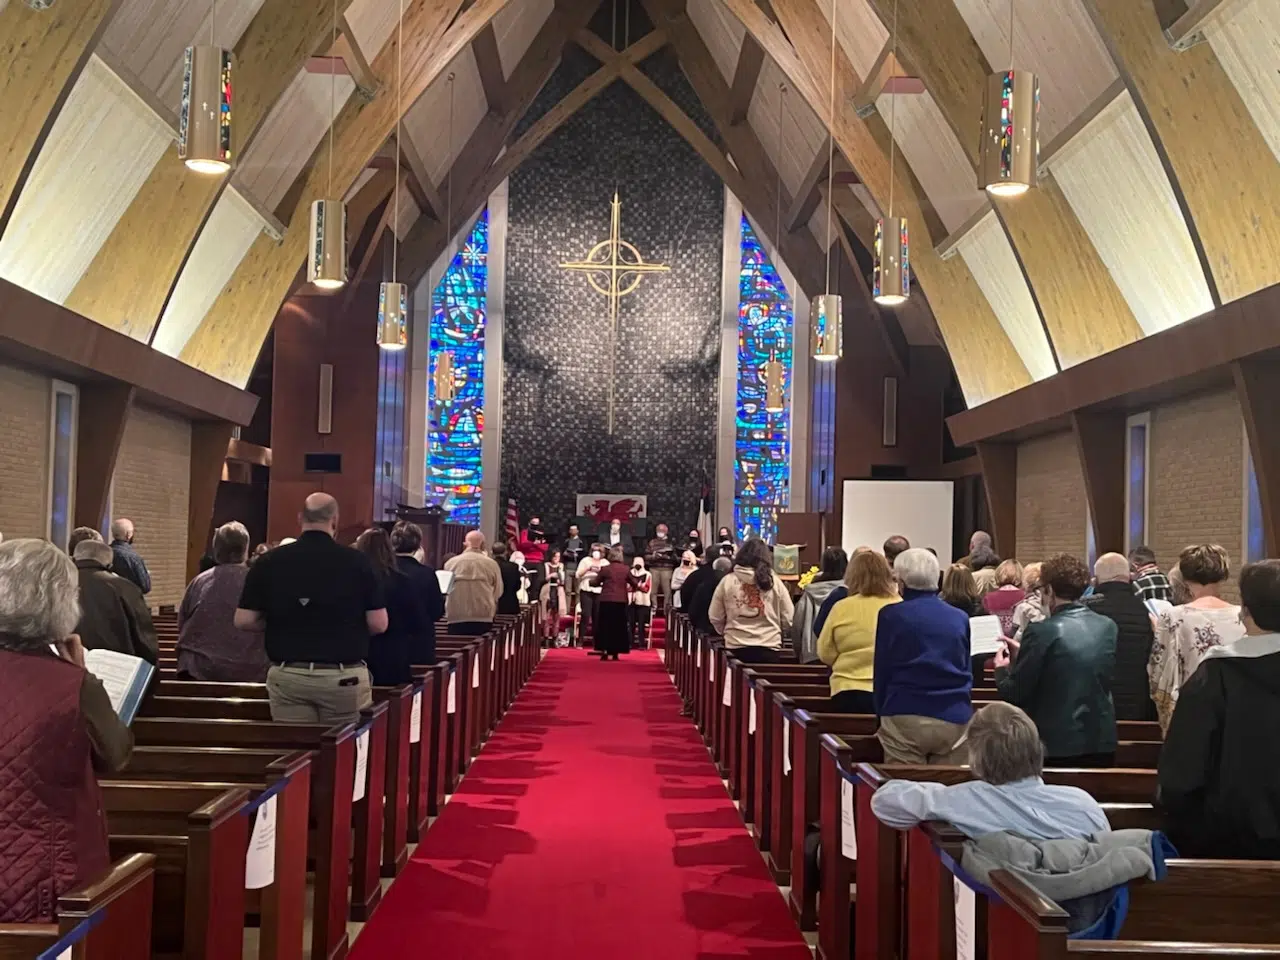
(593, 825)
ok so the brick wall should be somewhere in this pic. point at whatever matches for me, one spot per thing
(1052, 508)
(152, 483)
(1197, 477)
(24, 453)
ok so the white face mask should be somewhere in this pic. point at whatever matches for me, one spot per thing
(662, 534)
(595, 554)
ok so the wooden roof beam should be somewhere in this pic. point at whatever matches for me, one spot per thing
(809, 194)
(745, 76)
(1188, 29)
(887, 75)
(489, 62)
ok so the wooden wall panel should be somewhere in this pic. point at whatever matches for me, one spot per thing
(43, 52)
(1257, 383)
(1246, 41)
(723, 35)
(427, 120)
(1100, 442)
(803, 130)
(1205, 131)
(515, 26)
(95, 159)
(104, 410)
(208, 454)
(1000, 482)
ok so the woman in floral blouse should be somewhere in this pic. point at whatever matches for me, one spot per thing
(1184, 634)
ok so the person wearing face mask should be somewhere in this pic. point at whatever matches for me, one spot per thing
(640, 602)
(616, 535)
(725, 545)
(660, 558)
(533, 544)
(589, 590)
(688, 563)
(693, 545)
(614, 580)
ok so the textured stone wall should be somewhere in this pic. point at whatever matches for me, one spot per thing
(1052, 506)
(24, 453)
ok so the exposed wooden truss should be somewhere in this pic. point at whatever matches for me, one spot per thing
(887, 75)
(745, 76)
(349, 61)
(809, 194)
(489, 63)
(133, 274)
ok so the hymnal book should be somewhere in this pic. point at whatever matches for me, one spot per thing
(984, 636)
(125, 678)
(446, 580)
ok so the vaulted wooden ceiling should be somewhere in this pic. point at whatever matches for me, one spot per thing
(1160, 141)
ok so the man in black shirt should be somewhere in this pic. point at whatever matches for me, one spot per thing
(509, 602)
(318, 602)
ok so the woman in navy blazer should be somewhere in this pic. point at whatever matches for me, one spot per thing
(922, 678)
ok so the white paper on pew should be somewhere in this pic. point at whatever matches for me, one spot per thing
(662, 654)
(506, 649)
(493, 655)
(362, 766)
(984, 636)
(66, 954)
(260, 861)
(966, 904)
(475, 673)
(445, 579)
(751, 713)
(697, 662)
(848, 836)
(415, 719)
(453, 692)
(727, 700)
(786, 748)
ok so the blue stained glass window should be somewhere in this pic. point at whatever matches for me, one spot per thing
(1255, 547)
(762, 445)
(1137, 519)
(456, 427)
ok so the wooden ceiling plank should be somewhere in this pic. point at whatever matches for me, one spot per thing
(809, 194)
(1202, 130)
(43, 52)
(745, 76)
(1081, 303)
(230, 334)
(985, 361)
(424, 192)
(348, 47)
(489, 62)
(133, 274)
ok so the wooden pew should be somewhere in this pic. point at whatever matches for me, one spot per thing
(107, 919)
(332, 777)
(738, 731)
(280, 907)
(198, 836)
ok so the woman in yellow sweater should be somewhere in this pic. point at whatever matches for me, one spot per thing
(848, 640)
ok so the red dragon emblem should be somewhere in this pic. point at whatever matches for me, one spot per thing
(626, 508)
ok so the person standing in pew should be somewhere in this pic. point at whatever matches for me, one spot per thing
(698, 590)
(60, 732)
(1219, 778)
(210, 646)
(406, 540)
(477, 585)
(318, 602)
(114, 614)
(1008, 794)
(830, 577)
(127, 562)
(848, 640)
(392, 654)
(751, 608)
(1115, 598)
(509, 601)
(1063, 669)
(921, 678)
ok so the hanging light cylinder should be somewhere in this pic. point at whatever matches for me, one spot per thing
(204, 117)
(393, 315)
(826, 334)
(1010, 148)
(891, 283)
(445, 380)
(327, 263)
(774, 395)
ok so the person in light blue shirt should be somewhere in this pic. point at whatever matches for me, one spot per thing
(1006, 756)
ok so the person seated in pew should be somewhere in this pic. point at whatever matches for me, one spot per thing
(848, 640)
(114, 613)
(392, 654)
(1062, 671)
(210, 646)
(1218, 778)
(60, 731)
(1008, 794)
(477, 586)
(921, 679)
(1114, 597)
(406, 540)
(804, 639)
(318, 602)
(751, 608)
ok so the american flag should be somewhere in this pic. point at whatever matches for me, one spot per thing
(512, 527)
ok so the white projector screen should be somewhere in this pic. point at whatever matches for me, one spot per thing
(920, 510)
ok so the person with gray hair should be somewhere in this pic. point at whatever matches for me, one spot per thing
(128, 563)
(210, 646)
(60, 731)
(1115, 598)
(78, 536)
(1008, 794)
(114, 614)
(921, 673)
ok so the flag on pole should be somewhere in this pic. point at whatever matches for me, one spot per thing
(512, 527)
(704, 514)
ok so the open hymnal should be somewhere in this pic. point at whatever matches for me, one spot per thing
(446, 580)
(984, 636)
(124, 676)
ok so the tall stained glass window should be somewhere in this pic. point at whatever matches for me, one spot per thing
(456, 426)
(762, 446)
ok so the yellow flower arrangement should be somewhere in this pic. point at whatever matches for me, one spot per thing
(806, 578)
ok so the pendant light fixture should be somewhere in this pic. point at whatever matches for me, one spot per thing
(204, 116)
(891, 280)
(774, 394)
(825, 326)
(445, 378)
(393, 297)
(1009, 154)
(775, 399)
(327, 265)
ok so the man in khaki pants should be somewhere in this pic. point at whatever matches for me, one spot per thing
(318, 603)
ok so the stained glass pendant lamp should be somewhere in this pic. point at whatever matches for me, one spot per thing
(891, 273)
(327, 262)
(826, 331)
(774, 395)
(204, 117)
(1009, 152)
(393, 297)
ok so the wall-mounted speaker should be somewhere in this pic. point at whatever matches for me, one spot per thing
(890, 420)
(324, 420)
(322, 462)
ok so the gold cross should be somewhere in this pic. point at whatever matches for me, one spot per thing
(620, 263)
